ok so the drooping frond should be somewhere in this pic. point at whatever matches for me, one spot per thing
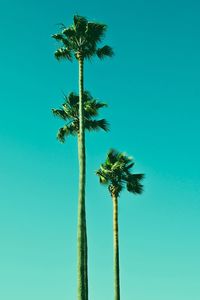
(92, 108)
(95, 125)
(61, 135)
(135, 187)
(95, 32)
(69, 33)
(102, 177)
(61, 38)
(58, 37)
(105, 51)
(59, 113)
(72, 99)
(65, 131)
(63, 53)
(136, 177)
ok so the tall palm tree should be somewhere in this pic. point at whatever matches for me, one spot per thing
(69, 112)
(116, 174)
(80, 40)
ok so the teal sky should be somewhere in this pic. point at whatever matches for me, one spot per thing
(153, 92)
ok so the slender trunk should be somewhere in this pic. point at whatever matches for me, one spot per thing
(85, 244)
(116, 249)
(82, 234)
(86, 262)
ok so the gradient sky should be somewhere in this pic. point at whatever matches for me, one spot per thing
(153, 92)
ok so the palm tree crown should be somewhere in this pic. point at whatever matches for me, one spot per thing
(81, 39)
(116, 173)
(69, 112)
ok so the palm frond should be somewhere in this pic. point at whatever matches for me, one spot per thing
(63, 53)
(102, 177)
(60, 114)
(58, 37)
(61, 38)
(92, 107)
(61, 135)
(123, 158)
(72, 99)
(104, 51)
(95, 125)
(134, 177)
(135, 187)
(134, 183)
(118, 167)
(71, 111)
(72, 128)
(95, 32)
(129, 166)
(89, 52)
(80, 24)
(112, 156)
(138, 176)
(69, 32)
(87, 96)
(65, 131)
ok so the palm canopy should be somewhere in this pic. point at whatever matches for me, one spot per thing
(116, 174)
(81, 39)
(69, 112)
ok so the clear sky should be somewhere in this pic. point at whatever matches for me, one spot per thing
(153, 92)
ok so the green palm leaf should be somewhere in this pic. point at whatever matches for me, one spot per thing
(69, 33)
(60, 113)
(65, 131)
(104, 51)
(135, 187)
(92, 108)
(80, 25)
(63, 53)
(95, 125)
(72, 99)
(95, 32)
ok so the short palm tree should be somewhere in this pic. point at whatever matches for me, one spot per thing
(69, 112)
(80, 40)
(116, 174)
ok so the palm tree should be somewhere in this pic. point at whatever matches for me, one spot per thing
(69, 112)
(81, 40)
(116, 174)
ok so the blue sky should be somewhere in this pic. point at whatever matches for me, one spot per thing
(152, 89)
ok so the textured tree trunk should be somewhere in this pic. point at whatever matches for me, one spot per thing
(82, 234)
(116, 249)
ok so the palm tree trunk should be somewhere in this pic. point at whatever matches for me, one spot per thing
(82, 234)
(116, 249)
(86, 261)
